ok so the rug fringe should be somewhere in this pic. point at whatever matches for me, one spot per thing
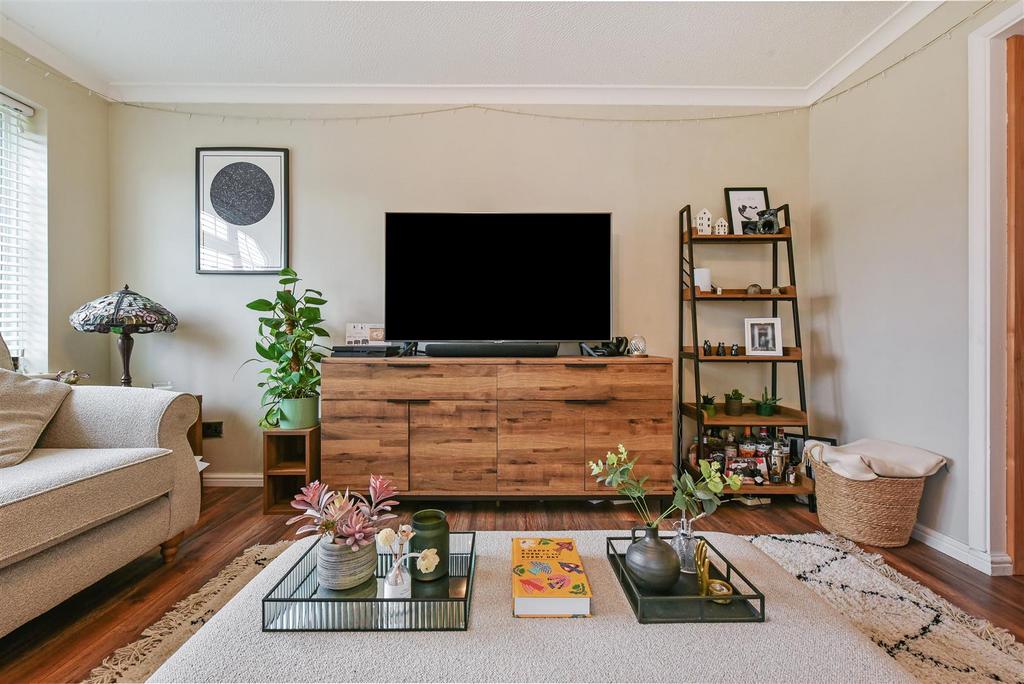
(190, 609)
(998, 637)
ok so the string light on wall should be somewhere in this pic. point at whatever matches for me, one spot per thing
(488, 109)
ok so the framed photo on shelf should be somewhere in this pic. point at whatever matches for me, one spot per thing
(241, 210)
(742, 205)
(763, 336)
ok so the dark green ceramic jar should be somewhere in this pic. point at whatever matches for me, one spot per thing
(431, 527)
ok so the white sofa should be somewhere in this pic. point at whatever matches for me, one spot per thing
(111, 477)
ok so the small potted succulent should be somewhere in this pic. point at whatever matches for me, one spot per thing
(767, 405)
(734, 403)
(347, 525)
(707, 404)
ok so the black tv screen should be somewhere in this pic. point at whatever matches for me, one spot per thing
(488, 277)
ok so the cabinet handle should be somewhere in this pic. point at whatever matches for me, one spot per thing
(586, 365)
(418, 401)
(587, 401)
(407, 365)
(397, 401)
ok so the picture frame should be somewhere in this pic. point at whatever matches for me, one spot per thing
(763, 336)
(742, 204)
(242, 210)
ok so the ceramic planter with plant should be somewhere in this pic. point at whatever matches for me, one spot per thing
(766, 405)
(347, 525)
(654, 564)
(734, 403)
(707, 404)
(288, 328)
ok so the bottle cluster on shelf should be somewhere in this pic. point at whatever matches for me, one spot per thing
(760, 459)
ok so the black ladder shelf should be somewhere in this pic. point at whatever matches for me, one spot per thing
(786, 417)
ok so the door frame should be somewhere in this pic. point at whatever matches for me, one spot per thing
(987, 240)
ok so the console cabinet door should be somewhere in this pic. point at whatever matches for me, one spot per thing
(540, 447)
(364, 437)
(644, 427)
(453, 447)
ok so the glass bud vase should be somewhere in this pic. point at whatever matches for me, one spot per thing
(398, 583)
(685, 545)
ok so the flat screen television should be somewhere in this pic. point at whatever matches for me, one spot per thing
(497, 277)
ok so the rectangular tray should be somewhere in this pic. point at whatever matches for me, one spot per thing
(297, 603)
(682, 603)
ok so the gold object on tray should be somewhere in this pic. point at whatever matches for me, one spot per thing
(717, 587)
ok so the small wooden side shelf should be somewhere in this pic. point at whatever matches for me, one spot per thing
(291, 459)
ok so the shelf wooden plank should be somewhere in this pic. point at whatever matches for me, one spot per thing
(786, 233)
(786, 293)
(804, 485)
(287, 468)
(789, 355)
(280, 509)
(786, 417)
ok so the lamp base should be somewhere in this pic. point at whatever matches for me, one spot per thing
(124, 345)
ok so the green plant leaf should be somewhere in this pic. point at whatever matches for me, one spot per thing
(287, 298)
(287, 272)
(288, 280)
(317, 301)
(260, 305)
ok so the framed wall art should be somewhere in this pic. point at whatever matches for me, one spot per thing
(763, 336)
(742, 204)
(241, 210)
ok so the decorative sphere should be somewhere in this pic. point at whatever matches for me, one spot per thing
(637, 346)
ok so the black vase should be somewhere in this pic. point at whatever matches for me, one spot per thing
(651, 562)
(431, 527)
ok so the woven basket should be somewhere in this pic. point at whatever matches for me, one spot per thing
(879, 512)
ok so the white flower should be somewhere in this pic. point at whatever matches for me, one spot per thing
(386, 537)
(405, 532)
(428, 560)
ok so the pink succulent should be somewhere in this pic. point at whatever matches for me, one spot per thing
(357, 531)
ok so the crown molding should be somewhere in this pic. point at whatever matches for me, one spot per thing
(898, 23)
(327, 93)
(41, 51)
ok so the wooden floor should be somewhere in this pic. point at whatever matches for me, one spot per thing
(66, 643)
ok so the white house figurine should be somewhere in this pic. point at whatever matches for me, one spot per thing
(703, 221)
(722, 227)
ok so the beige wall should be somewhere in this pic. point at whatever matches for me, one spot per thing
(888, 171)
(75, 126)
(344, 177)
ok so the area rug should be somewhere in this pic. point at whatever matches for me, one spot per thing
(803, 640)
(926, 634)
(139, 659)
(980, 649)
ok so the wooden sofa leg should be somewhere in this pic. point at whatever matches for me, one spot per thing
(169, 549)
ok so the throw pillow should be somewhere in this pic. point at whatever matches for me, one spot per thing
(26, 407)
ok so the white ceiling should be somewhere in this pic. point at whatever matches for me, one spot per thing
(598, 52)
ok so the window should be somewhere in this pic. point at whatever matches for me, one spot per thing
(22, 236)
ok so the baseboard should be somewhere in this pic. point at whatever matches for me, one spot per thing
(233, 479)
(990, 564)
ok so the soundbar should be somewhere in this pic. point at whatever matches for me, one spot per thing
(533, 349)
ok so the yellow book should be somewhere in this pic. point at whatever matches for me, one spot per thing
(548, 579)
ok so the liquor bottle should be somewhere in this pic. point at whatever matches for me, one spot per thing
(747, 446)
(764, 445)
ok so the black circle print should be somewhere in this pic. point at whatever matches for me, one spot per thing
(242, 193)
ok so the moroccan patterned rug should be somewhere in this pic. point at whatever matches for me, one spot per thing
(926, 635)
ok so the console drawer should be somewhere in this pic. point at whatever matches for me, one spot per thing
(586, 381)
(408, 380)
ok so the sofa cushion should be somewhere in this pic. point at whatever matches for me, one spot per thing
(26, 407)
(55, 494)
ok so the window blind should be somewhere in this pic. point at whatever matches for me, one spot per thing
(22, 230)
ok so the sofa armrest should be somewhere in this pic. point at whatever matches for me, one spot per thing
(95, 417)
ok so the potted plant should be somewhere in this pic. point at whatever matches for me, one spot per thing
(767, 405)
(654, 564)
(286, 339)
(707, 404)
(347, 524)
(734, 403)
